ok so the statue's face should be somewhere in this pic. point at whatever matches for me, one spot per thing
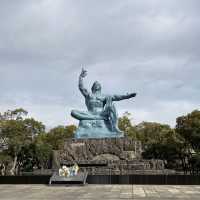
(96, 87)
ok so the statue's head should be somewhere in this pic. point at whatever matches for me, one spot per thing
(96, 87)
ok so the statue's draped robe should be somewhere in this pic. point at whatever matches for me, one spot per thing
(110, 114)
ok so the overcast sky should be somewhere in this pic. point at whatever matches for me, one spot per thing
(151, 47)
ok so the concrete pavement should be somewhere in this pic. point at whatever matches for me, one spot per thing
(99, 192)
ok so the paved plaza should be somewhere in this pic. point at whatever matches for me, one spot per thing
(99, 192)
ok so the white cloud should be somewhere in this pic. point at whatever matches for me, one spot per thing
(149, 47)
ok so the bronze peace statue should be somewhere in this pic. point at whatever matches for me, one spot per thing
(100, 120)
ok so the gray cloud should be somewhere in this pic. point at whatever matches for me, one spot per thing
(151, 47)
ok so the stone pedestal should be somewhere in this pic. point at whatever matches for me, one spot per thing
(92, 149)
(107, 156)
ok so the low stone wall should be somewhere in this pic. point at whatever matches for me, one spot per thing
(111, 179)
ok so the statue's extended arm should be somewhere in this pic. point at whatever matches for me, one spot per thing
(122, 97)
(80, 83)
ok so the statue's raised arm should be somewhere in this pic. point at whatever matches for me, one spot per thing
(122, 97)
(80, 83)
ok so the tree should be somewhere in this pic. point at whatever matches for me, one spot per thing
(188, 127)
(5, 160)
(194, 162)
(56, 136)
(34, 127)
(152, 132)
(35, 155)
(27, 158)
(43, 155)
(16, 137)
(17, 132)
(126, 126)
(16, 114)
(160, 141)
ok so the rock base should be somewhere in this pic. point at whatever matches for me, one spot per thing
(107, 156)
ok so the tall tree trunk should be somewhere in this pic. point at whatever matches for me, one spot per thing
(12, 171)
(2, 169)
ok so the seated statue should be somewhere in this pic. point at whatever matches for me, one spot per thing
(101, 119)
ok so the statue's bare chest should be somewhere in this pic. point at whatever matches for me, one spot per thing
(95, 101)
